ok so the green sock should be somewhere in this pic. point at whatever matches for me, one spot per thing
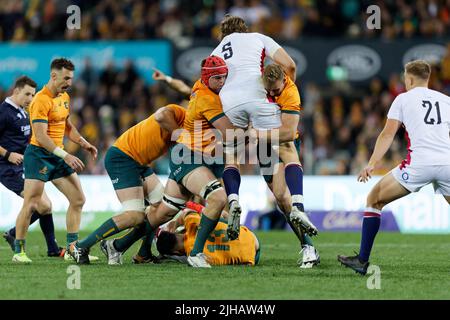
(19, 246)
(204, 229)
(307, 240)
(146, 246)
(108, 228)
(123, 243)
(71, 237)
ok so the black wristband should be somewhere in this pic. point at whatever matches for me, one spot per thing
(7, 154)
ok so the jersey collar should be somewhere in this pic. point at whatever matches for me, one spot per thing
(9, 101)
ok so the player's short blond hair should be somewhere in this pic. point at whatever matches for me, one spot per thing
(272, 73)
(418, 68)
(231, 24)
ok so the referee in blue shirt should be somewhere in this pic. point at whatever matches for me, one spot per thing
(15, 133)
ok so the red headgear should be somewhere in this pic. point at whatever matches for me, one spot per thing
(213, 66)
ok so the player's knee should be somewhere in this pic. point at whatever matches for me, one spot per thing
(214, 195)
(136, 218)
(32, 204)
(217, 200)
(78, 202)
(45, 207)
(373, 201)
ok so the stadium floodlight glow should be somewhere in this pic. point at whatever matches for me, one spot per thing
(337, 73)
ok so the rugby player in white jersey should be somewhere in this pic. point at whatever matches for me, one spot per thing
(425, 114)
(244, 100)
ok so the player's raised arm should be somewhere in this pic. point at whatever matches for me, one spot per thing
(176, 84)
(76, 137)
(382, 145)
(282, 58)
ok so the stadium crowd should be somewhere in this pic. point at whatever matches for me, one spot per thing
(22, 20)
(338, 128)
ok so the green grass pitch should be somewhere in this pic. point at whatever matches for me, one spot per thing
(412, 267)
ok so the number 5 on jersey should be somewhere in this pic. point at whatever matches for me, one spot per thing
(227, 50)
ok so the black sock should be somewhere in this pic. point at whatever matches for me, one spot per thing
(48, 229)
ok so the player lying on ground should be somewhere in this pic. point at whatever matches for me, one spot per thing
(194, 169)
(245, 100)
(425, 114)
(15, 131)
(45, 160)
(219, 250)
(127, 163)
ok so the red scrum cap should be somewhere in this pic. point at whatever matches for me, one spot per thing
(213, 66)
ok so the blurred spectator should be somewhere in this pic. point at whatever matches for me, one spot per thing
(143, 19)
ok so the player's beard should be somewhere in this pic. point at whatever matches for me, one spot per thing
(66, 89)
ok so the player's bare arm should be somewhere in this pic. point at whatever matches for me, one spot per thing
(13, 157)
(76, 137)
(166, 119)
(282, 58)
(382, 145)
(176, 84)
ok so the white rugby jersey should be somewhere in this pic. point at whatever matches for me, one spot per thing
(244, 55)
(425, 114)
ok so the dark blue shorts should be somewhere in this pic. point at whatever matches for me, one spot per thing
(11, 176)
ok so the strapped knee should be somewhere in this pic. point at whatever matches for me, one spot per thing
(210, 188)
(173, 203)
(133, 205)
(156, 195)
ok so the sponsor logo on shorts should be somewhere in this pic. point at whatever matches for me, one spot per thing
(114, 181)
(44, 170)
(177, 171)
(405, 176)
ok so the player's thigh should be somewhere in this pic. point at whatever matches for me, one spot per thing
(288, 152)
(289, 123)
(441, 183)
(70, 186)
(238, 116)
(385, 191)
(174, 199)
(33, 190)
(153, 189)
(45, 205)
(264, 115)
(198, 180)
